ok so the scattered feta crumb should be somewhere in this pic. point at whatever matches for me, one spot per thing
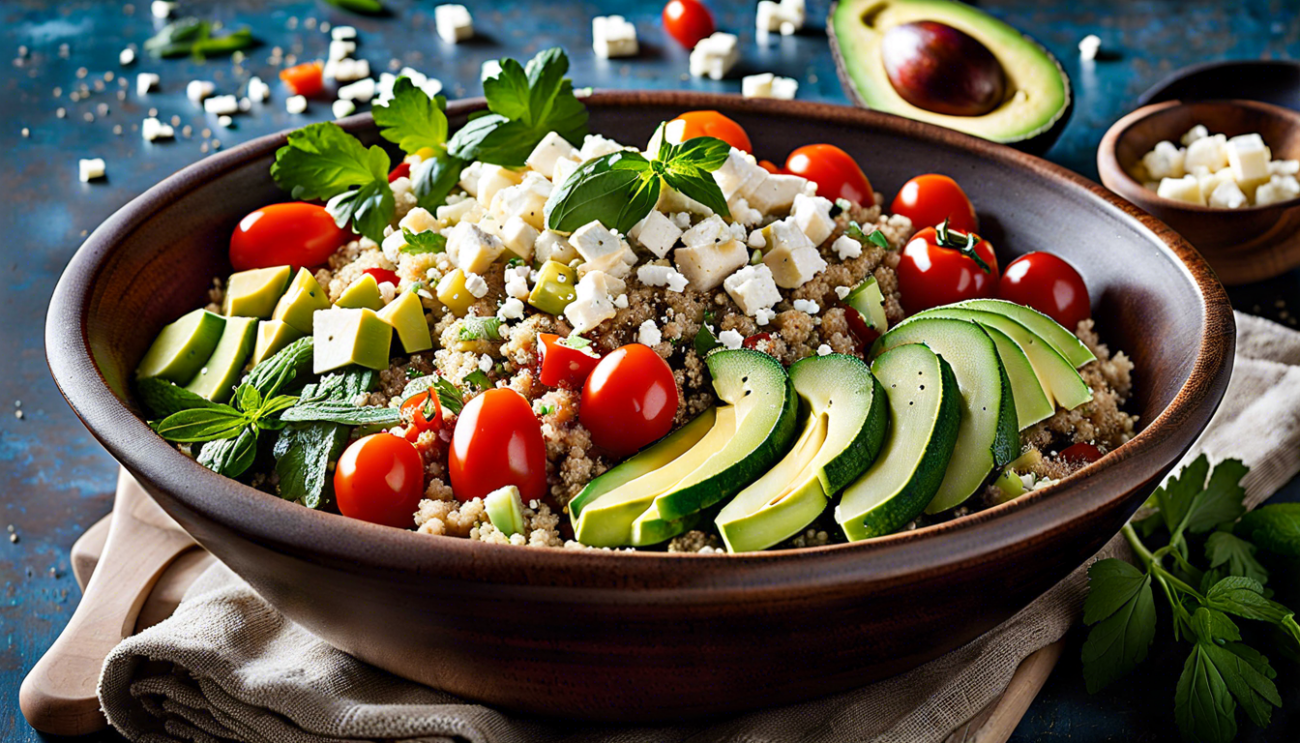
(342, 108)
(613, 36)
(489, 70)
(126, 56)
(806, 305)
(221, 105)
(453, 22)
(341, 49)
(347, 70)
(152, 129)
(485, 363)
(842, 291)
(655, 275)
(343, 33)
(145, 82)
(824, 350)
(295, 104)
(162, 8)
(731, 339)
(1197, 132)
(621, 301)
(786, 17)
(89, 170)
(714, 56)
(197, 90)
(649, 334)
(763, 316)
(476, 285)
(225, 121)
(511, 309)
(362, 90)
(1089, 46)
(846, 247)
(258, 90)
(768, 85)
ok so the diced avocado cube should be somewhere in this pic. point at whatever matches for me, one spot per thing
(364, 292)
(344, 337)
(1009, 485)
(301, 301)
(453, 293)
(272, 335)
(406, 315)
(181, 348)
(555, 288)
(505, 509)
(216, 380)
(255, 293)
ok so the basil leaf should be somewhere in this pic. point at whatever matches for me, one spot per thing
(282, 368)
(705, 341)
(603, 189)
(698, 153)
(412, 120)
(163, 397)
(699, 185)
(321, 161)
(230, 457)
(364, 7)
(419, 243)
(434, 178)
(201, 424)
(494, 139)
(302, 456)
(1274, 528)
(369, 209)
(449, 395)
(346, 413)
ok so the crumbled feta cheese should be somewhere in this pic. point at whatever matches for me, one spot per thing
(682, 220)
(258, 90)
(621, 301)
(592, 304)
(764, 316)
(476, 285)
(517, 286)
(493, 178)
(714, 56)
(197, 90)
(1228, 195)
(145, 82)
(1197, 132)
(613, 36)
(731, 339)
(552, 246)
(126, 56)
(842, 291)
(1164, 161)
(1187, 189)
(707, 232)
(225, 121)
(665, 276)
(793, 258)
(453, 22)
(564, 168)
(813, 215)
(511, 309)
(341, 108)
(757, 240)
(343, 33)
(738, 173)
(1284, 167)
(152, 129)
(485, 363)
(467, 210)
(161, 8)
(295, 104)
(341, 49)
(656, 233)
(221, 105)
(806, 305)
(1089, 46)
(602, 250)
(362, 90)
(594, 145)
(526, 200)
(418, 220)
(768, 85)
(553, 147)
(346, 70)
(775, 193)
(519, 237)
(824, 350)
(649, 334)
(706, 266)
(752, 288)
(392, 246)
(1210, 152)
(846, 247)
(1279, 188)
(743, 214)
(471, 249)
(786, 16)
(89, 170)
(1248, 157)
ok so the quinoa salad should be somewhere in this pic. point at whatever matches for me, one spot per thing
(526, 333)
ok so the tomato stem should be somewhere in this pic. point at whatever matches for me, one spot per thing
(952, 240)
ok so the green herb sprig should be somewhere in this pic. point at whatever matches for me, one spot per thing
(419, 243)
(193, 37)
(877, 238)
(321, 161)
(1221, 672)
(362, 7)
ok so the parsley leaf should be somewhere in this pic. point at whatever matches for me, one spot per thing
(1223, 548)
(1220, 501)
(1121, 609)
(321, 161)
(1203, 705)
(302, 456)
(369, 209)
(412, 120)
(191, 36)
(1274, 528)
(420, 243)
(1245, 598)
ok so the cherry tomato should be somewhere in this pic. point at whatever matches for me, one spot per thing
(629, 400)
(936, 268)
(380, 479)
(497, 442)
(383, 274)
(710, 124)
(1050, 285)
(304, 79)
(422, 412)
(929, 199)
(297, 234)
(865, 333)
(403, 170)
(688, 21)
(564, 364)
(1081, 453)
(769, 166)
(835, 172)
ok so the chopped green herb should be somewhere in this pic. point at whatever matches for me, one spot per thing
(449, 395)
(420, 243)
(413, 373)
(705, 341)
(480, 380)
(433, 179)
(877, 238)
(193, 37)
(475, 328)
(364, 7)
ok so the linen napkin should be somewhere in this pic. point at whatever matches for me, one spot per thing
(227, 666)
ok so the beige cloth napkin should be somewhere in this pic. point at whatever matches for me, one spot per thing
(227, 666)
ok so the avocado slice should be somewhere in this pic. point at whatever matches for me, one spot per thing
(1036, 100)
(182, 347)
(216, 380)
(1062, 339)
(301, 301)
(925, 412)
(987, 436)
(505, 509)
(364, 292)
(272, 335)
(406, 315)
(846, 417)
(651, 528)
(867, 300)
(342, 337)
(255, 293)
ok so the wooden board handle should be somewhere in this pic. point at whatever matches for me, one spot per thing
(59, 694)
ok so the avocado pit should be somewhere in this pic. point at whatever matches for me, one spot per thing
(942, 69)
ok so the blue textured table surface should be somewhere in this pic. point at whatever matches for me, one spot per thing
(55, 480)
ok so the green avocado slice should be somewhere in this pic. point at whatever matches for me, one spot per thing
(300, 302)
(505, 510)
(363, 293)
(272, 335)
(182, 347)
(1037, 92)
(1062, 339)
(255, 293)
(925, 410)
(987, 436)
(216, 380)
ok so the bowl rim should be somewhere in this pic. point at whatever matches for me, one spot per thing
(324, 538)
(1120, 179)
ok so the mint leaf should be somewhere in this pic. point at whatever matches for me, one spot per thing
(412, 120)
(335, 411)
(1203, 706)
(283, 368)
(1220, 501)
(163, 397)
(201, 424)
(420, 243)
(434, 178)
(1253, 690)
(611, 189)
(1274, 528)
(369, 209)
(705, 341)
(1223, 548)
(302, 456)
(1121, 608)
(698, 153)
(230, 457)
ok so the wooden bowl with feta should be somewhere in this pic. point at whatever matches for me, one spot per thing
(1224, 174)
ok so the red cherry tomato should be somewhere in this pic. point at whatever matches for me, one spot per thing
(935, 269)
(714, 124)
(380, 479)
(629, 400)
(688, 21)
(1050, 285)
(422, 412)
(383, 274)
(403, 170)
(929, 199)
(297, 234)
(835, 172)
(865, 333)
(304, 79)
(497, 442)
(769, 166)
(1081, 453)
(564, 364)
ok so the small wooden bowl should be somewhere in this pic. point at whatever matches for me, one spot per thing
(1243, 245)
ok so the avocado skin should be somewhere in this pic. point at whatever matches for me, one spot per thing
(1038, 144)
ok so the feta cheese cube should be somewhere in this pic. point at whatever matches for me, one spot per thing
(813, 215)
(91, 169)
(787, 17)
(552, 246)
(152, 129)
(737, 173)
(768, 17)
(222, 105)
(1165, 161)
(791, 255)
(470, 176)
(553, 147)
(649, 334)
(1284, 167)
(493, 178)
(462, 211)
(362, 90)
(763, 317)
(775, 193)
(197, 90)
(752, 288)
(653, 274)
(602, 250)
(768, 85)
(126, 56)
(453, 22)
(343, 33)
(714, 56)
(347, 70)
(295, 104)
(743, 214)
(846, 247)
(1186, 189)
(258, 90)
(526, 201)
(1210, 152)
(1089, 46)
(613, 36)
(824, 350)
(1248, 158)
(1227, 195)
(145, 82)
(707, 232)
(472, 249)
(418, 220)
(511, 309)
(476, 284)
(594, 145)
(341, 49)
(519, 237)
(225, 121)
(706, 266)
(1279, 188)
(161, 8)
(593, 302)
(564, 167)
(784, 88)
(1197, 132)
(656, 233)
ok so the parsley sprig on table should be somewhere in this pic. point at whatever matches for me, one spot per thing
(621, 188)
(1221, 672)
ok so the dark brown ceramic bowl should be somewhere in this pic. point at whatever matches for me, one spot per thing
(626, 636)
(1243, 245)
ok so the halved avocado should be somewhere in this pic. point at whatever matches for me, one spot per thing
(924, 415)
(987, 436)
(846, 417)
(1036, 98)
(1062, 339)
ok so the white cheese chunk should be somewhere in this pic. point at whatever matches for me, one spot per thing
(737, 173)
(593, 302)
(594, 145)
(564, 167)
(552, 148)
(476, 285)
(1165, 161)
(347, 70)
(91, 169)
(807, 306)
(361, 91)
(472, 249)
(341, 49)
(493, 178)
(343, 33)
(714, 56)
(1279, 188)
(221, 105)
(1186, 189)
(552, 246)
(813, 215)
(418, 220)
(775, 193)
(662, 276)
(742, 213)
(519, 237)
(793, 258)
(511, 309)
(656, 233)
(763, 317)
(1248, 157)
(1197, 132)
(147, 81)
(469, 177)
(453, 22)
(753, 289)
(786, 17)
(784, 88)
(731, 339)
(258, 90)
(295, 104)
(225, 121)
(1284, 167)
(152, 130)
(1227, 195)
(162, 8)
(846, 247)
(613, 36)
(824, 350)
(197, 90)
(707, 232)
(648, 334)
(526, 200)
(706, 266)
(392, 246)
(1210, 152)
(126, 56)
(602, 250)
(462, 211)
(768, 85)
